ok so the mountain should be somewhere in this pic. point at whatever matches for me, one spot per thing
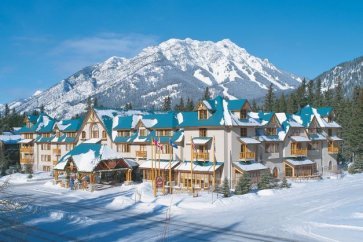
(350, 73)
(174, 67)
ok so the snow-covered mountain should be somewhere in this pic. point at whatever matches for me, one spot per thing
(350, 73)
(175, 67)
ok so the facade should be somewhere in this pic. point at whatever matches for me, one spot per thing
(219, 139)
(9, 149)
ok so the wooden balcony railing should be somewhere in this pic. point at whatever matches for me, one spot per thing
(26, 150)
(141, 153)
(333, 149)
(201, 155)
(247, 155)
(26, 160)
(299, 152)
(57, 151)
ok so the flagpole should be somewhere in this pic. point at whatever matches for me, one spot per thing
(214, 163)
(160, 147)
(171, 157)
(153, 173)
(191, 163)
(152, 163)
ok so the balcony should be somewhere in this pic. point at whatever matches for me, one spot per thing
(200, 155)
(26, 160)
(247, 155)
(141, 153)
(333, 150)
(26, 150)
(57, 151)
(299, 152)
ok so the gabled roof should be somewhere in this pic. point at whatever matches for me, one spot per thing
(234, 105)
(44, 124)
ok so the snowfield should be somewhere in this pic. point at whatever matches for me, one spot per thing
(327, 210)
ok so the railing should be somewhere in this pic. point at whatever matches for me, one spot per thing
(26, 149)
(57, 151)
(247, 155)
(26, 160)
(201, 155)
(141, 153)
(300, 152)
(333, 150)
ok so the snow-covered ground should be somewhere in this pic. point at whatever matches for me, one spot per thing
(327, 210)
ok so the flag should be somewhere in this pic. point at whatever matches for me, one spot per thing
(193, 146)
(157, 144)
(173, 144)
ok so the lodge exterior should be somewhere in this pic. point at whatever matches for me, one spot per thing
(220, 138)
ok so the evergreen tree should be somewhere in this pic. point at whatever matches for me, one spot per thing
(128, 106)
(244, 184)
(282, 103)
(284, 183)
(254, 106)
(190, 105)
(265, 181)
(207, 94)
(166, 104)
(4, 161)
(310, 93)
(95, 102)
(7, 110)
(269, 99)
(225, 188)
(318, 100)
(180, 107)
(41, 109)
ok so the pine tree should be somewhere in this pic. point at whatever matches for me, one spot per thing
(265, 181)
(4, 161)
(180, 107)
(190, 105)
(207, 94)
(269, 99)
(225, 188)
(244, 184)
(282, 103)
(166, 106)
(254, 106)
(7, 110)
(41, 109)
(318, 100)
(284, 183)
(310, 93)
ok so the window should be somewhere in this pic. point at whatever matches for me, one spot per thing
(271, 131)
(203, 132)
(167, 149)
(243, 132)
(313, 146)
(83, 134)
(46, 168)
(203, 114)
(330, 132)
(69, 147)
(163, 132)
(45, 146)
(243, 114)
(271, 148)
(95, 131)
(123, 148)
(243, 148)
(29, 136)
(46, 135)
(71, 134)
(142, 147)
(142, 132)
(123, 133)
(330, 118)
(104, 136)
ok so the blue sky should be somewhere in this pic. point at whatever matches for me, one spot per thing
(42, 42)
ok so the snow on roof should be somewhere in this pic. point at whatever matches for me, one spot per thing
(334, 138)
(201, 140)
(247, 166)
(92, 141)
(25, 141)
(317, 136)
(247, 140)
(131, 162)
(164, 165)
(270, 138)
(206, 103)
(87, 156)
(9, 138)
(149, 123)
(300, 139)
(198, 166)
(179, 117)
(226, 114)
(300, 162)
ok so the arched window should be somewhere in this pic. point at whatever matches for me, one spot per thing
(275, 172)
(83, 134)
(104, 136)
(95, 131)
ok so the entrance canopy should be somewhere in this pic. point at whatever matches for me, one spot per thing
(25, 141)
(199, 166)
(201, 140)
(300, 139)
(299, 162)
(87, 156)
(334, 138)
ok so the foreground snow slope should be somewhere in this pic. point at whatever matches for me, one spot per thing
(328, 210)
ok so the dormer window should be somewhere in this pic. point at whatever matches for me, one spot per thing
(243, 132)
(330, 132)
(142, 132)
(83, 134)
(330, 118)
(271, 131)
(202, 114)
(57, 133)
(123, 133)
(104, 135)
(243, 114)
(28, 124)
